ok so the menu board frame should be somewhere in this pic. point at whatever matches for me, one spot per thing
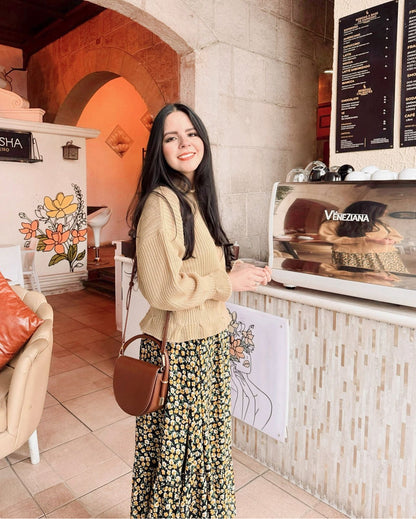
(366, 79)
(408, 86)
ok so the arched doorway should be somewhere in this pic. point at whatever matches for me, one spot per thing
(114, 158)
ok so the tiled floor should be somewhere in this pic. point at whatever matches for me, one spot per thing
(86, 441)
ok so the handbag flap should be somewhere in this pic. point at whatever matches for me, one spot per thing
(134, 383)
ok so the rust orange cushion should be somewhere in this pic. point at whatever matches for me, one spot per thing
(17, 322)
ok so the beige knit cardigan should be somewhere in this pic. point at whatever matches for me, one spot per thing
(195, 289)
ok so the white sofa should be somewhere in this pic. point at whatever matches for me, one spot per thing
(24, 381)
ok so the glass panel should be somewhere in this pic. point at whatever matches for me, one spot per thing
(362, 231)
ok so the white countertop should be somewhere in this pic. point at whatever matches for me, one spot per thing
(385, 312)
(378, 311)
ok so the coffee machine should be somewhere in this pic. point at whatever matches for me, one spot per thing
(352, 238)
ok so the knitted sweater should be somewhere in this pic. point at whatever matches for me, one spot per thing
(195, 289)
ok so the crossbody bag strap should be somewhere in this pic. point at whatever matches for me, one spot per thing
(124, 343)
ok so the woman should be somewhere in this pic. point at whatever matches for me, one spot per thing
(364, 244)
(183, 465)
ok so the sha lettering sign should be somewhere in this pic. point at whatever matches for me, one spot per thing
(15, 145)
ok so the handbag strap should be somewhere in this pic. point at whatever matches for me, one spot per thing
(162, 344)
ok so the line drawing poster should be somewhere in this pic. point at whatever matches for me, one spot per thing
(259, 361)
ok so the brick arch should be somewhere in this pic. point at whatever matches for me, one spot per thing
(86, 80)
(63, 76)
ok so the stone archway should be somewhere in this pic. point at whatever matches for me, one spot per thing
(64, 75)
(119, 63)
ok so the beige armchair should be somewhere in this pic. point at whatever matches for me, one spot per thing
(24, 381)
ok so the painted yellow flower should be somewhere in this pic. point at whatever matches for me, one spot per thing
(61, 206)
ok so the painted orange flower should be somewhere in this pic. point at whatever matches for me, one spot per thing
(29, 229)
(55, 239)
(78, 236)
(61, 206)
(235, 349)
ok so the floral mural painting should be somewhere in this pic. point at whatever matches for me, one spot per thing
(60, 225)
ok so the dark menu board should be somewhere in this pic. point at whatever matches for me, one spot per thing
(365, 80)
(408, 94)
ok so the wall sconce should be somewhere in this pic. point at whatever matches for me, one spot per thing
(70, 151)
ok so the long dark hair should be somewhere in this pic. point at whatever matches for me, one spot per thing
(374, 210)
(156, 172)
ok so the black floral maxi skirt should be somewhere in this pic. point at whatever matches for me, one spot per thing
(183, 464)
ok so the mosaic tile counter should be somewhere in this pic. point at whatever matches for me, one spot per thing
(352, 412)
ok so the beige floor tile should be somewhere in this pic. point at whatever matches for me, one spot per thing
(65, 324)
(72, 510)
(85, 464)
(121, 510)
(261, 498)
(97, 317)
(77, 382)
(96, 409)
(96, 350)
(58, 426)
(26, 508)
(98, 475)
(78, 310)
(12, 490)
(37, 478)
(50, 401)
(82, 336)
(242, 474)
(106, 366)
(328, 511)
(108, 496)
(248, 461)
(54, 497)
(119, 437)
(64, 360)
(292, 489)
(312, 514)
(77, 456)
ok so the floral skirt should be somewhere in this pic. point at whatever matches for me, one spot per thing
(387, 261)
(183, 464)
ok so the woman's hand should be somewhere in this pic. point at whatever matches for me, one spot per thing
(245, 276)
(382, 241)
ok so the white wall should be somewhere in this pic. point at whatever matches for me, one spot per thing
(25, 186)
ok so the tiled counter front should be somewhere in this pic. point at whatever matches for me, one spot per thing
(352, 413)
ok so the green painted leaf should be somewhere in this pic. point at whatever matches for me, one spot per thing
(81, 255)
(56, 258)
(72, 252)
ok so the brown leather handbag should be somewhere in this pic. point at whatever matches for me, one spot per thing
(141, 387)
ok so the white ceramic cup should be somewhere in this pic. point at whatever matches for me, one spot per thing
(370, 169)
(407, 174)
(356, 176)
(383, 174)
